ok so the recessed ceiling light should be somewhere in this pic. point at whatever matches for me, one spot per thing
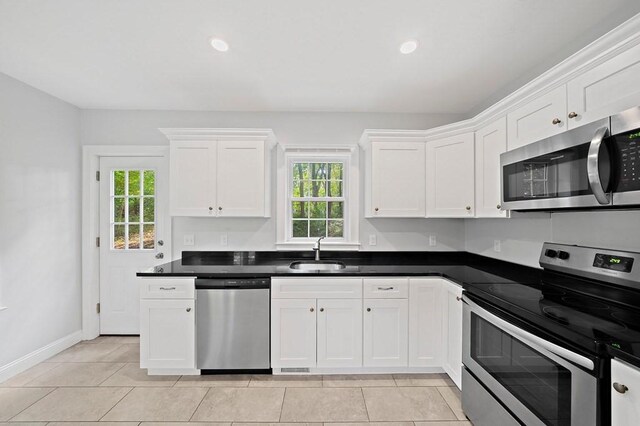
(219, 44)
(408, 46)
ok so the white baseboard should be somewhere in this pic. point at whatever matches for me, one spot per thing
(29, 360)
(360, 370)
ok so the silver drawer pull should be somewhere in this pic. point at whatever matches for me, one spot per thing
(385, 288)
(167, 288)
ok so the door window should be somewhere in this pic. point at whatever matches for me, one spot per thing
(133, 209)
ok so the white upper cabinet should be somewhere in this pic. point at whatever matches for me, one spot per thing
(241, 178)
(397, 180)
(450, 176)
(220, 172)
(192, 181)
(607, 89)
(542, 117)
(491, 141)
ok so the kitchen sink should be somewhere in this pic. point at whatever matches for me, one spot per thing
(320, 265)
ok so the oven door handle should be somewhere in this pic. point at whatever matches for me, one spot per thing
(593, 160)
(532, 339)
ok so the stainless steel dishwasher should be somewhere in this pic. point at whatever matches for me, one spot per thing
(232, 324)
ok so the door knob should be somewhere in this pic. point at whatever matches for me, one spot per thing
(160, 256)
(573, 114)
(556, 121)
(160, 242)
(620, 388)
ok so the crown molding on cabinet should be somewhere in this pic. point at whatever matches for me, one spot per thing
(204, 134)
(616, 41)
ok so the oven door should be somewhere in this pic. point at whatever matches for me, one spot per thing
(569, 170)
(539, 382)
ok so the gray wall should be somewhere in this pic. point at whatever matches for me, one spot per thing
(39, 219)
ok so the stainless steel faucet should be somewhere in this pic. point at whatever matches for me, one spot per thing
(316, 248)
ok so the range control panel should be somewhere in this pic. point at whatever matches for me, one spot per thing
(616, 263)
(628, 148)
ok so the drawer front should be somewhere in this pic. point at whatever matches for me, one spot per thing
(386, 288)
(167, 288)
(316, 288)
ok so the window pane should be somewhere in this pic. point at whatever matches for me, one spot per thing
(317, 228)
(149, 212)
(318, 209)
(299, 188)
(336, 210)
(335, 171)
(149, 236)
(118, 237)
(118, 182)
(134, 182)
(301, 171)
(336, 228)
(318, 171)
(334, 188)
(118, 210)
(134, 236)
(149, 183)
(318, 188)
(300, 228)
(300, 209)
(134, 209)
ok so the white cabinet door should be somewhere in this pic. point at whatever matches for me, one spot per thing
(167, 333)
(542, 117)
(450, 176)
(241, 178)
(452, 331)
(491, 141)
(339, 333)
(192, 178)
(293, 333)
(607, 89)
(397, 179)
(425, 322)
(625, 407)
(385, 332)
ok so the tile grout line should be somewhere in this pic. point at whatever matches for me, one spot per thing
(365, 404)
(448, 405)
(118, 402)
(200, 403)
(34, 402)
(112, 374)
(284, 395)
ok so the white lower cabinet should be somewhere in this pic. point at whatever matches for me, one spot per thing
(385, 332)
(425, 322)
(339, 333)
(167, 334)
(452, 331)
(625, 393)
(293, 333)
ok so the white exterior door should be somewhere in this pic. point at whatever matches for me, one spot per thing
(450, 176)
(293, 333)
(491, 141)
(193, 178)
(241, 178)
(134, 230)
(397, 179)
(385, 332)
(452, 331)
(425, 322)
(167, 337)
(339, 333)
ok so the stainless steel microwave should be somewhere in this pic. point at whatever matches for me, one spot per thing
(595, 165)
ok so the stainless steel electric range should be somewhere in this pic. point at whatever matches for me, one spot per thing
(539, 354)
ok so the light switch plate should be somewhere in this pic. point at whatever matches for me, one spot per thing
(189, 240)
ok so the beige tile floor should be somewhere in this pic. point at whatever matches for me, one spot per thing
(100, 381)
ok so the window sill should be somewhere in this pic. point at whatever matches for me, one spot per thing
(306, 245)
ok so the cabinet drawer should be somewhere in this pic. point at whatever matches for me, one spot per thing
(167, 288)
(386, 288)
(316, 288)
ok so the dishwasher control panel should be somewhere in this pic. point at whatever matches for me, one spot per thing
(231, 283)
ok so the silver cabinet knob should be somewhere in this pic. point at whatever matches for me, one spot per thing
(210, 208)
(573, 114)
(556, 121)
(498, 207)
(311, 310)
(160, 242)
(468, 208)
(160, 256)
(219, 208)
(321, 309)
(620, 388)
(458, 298)
(188, 309)
(376, 209)
(368, 309)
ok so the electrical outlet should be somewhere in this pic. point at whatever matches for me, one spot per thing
(189, 240)
(373, 239)
(432, 241)
(497, 246)
(224, 240)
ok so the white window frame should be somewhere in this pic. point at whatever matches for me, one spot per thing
(348, 156)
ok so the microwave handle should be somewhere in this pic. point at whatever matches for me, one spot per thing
(593, 160)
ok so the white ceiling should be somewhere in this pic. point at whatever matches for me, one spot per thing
(293, 55)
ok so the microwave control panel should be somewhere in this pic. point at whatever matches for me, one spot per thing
(628, 147)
